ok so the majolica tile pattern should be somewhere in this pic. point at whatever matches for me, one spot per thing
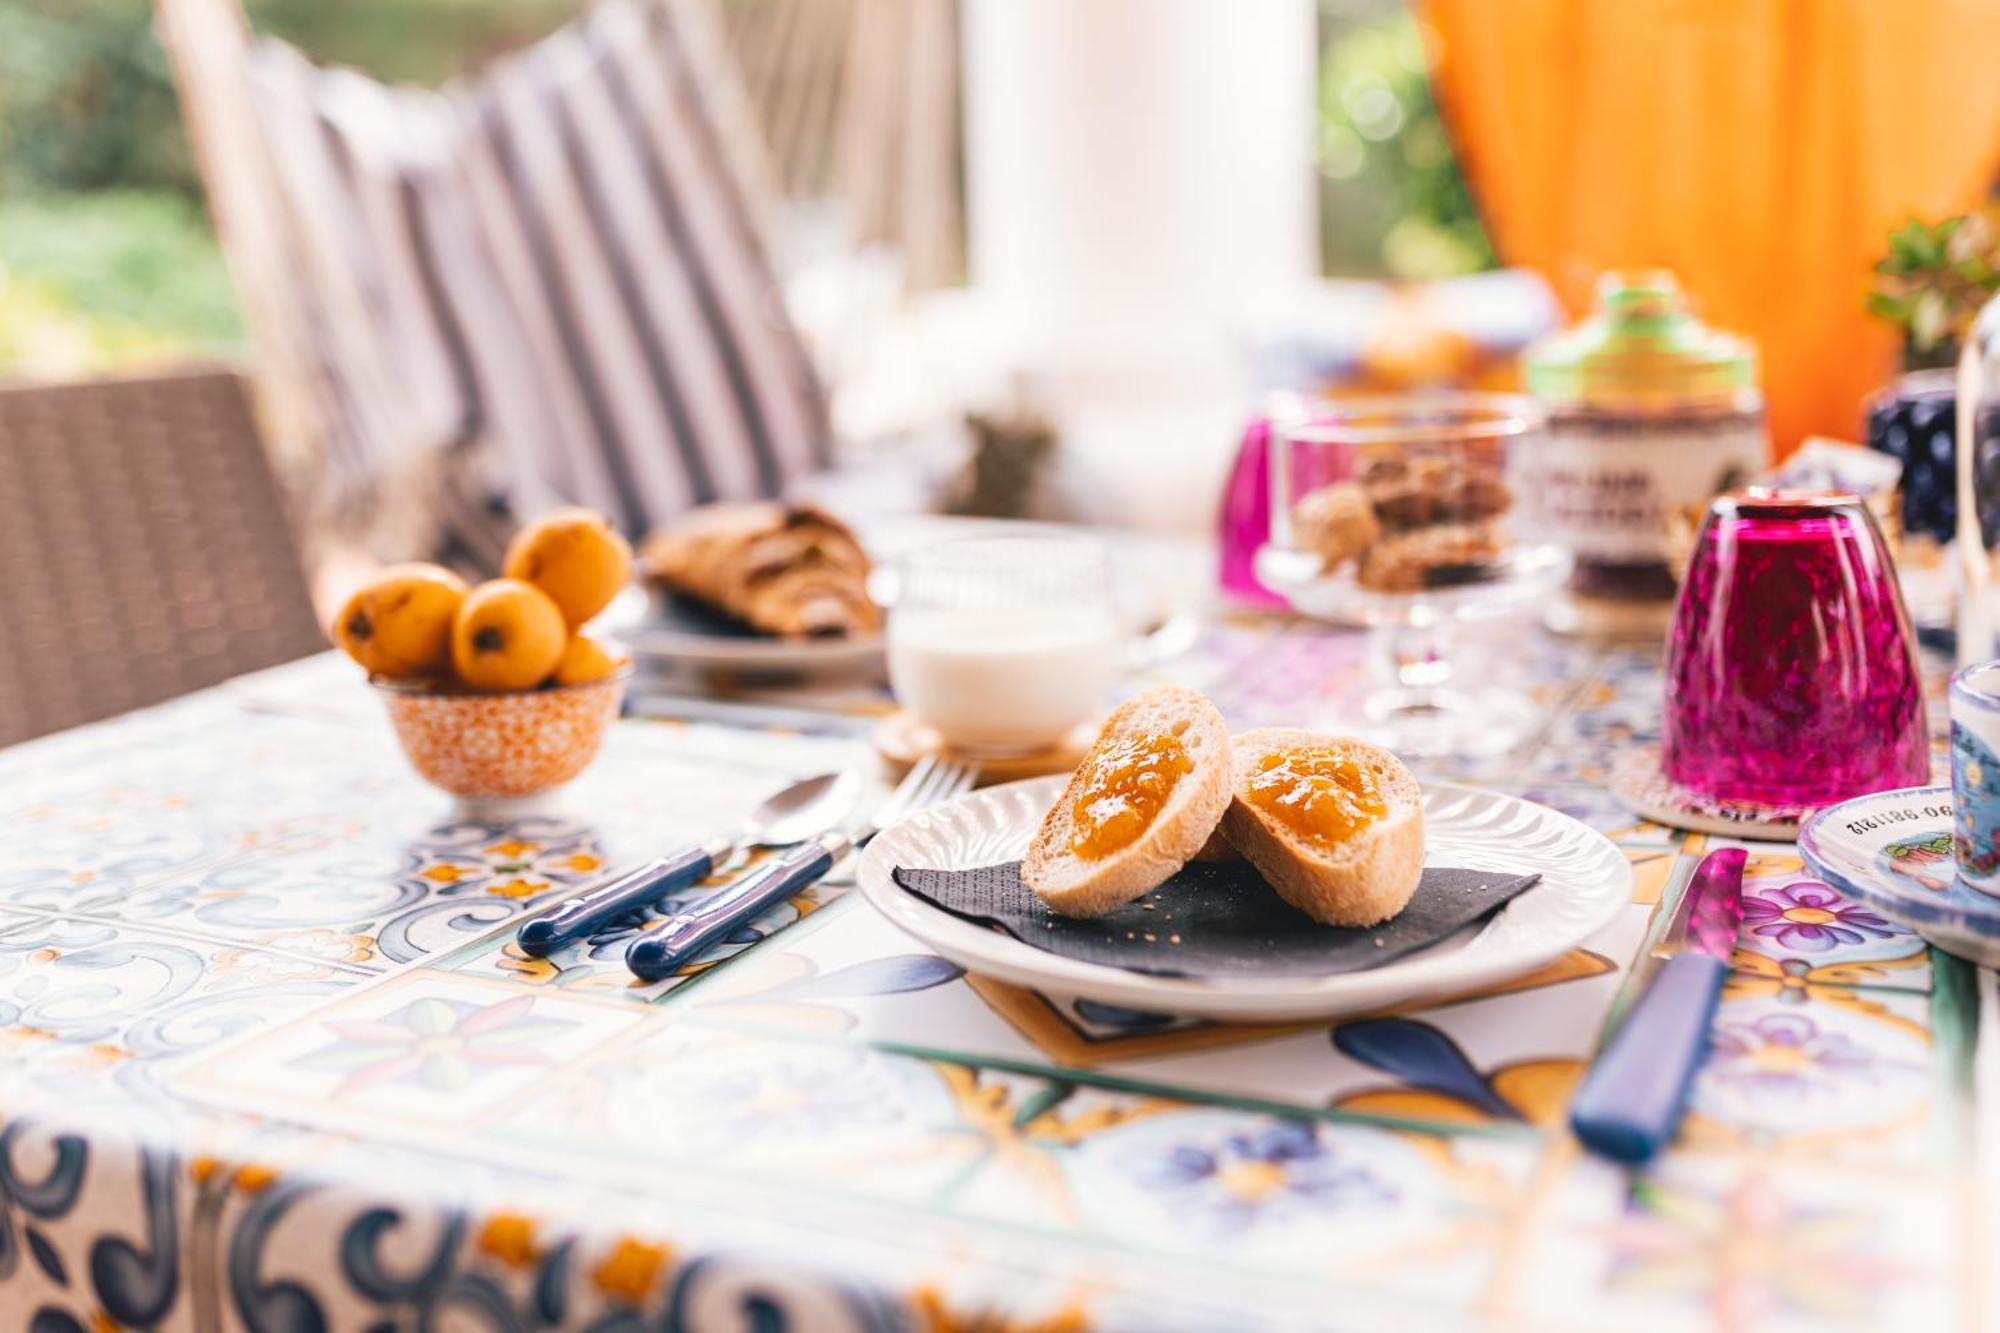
(270, 1062)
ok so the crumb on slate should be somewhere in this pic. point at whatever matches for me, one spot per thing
(1173, 939)
(1150, 937)
(1378, 941)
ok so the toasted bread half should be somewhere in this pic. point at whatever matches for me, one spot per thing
(1364, 880)
(1075, 886)
(1217, 848)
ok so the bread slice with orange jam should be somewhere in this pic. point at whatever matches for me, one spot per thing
(1143, 801)
(1335, 825)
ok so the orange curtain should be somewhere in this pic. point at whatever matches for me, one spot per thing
(1761, 149)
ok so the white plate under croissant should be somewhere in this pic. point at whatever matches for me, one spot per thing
(657, 627)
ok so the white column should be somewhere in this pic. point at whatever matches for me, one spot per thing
(1139, 157)
(1140, 185)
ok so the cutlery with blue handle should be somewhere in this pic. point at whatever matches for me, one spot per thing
(662, 950)
(791, 816)
(1631, 1100)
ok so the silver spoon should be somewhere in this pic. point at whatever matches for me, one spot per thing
(803, 810)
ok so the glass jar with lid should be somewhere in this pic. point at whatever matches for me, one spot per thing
(1651, 413)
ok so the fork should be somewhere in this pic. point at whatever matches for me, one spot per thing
(662, 949)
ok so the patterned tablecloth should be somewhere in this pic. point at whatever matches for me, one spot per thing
(271, 1062)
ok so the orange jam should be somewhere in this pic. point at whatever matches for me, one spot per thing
(1123, 791)
(1321, 796)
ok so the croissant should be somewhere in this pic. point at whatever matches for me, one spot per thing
(791, 570)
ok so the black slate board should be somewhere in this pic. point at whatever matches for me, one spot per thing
(1216, 919)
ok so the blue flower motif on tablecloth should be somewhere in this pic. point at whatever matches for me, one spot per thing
(1784, 1054)
(439, 1045)
(1810, 917)
(1264, 1174)
(1840, 1061)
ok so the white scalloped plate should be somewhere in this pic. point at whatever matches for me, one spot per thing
(1584, 881)
(655, 626)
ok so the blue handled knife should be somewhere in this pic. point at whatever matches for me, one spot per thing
(577, 916)
(1631, 1100)
(786, 818)
(680, 938)
(671, 944)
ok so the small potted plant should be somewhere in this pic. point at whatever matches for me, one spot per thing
(1930, 285)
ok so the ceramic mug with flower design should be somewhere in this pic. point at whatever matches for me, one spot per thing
(1975, 775)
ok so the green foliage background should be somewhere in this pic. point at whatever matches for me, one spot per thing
(1392, 200)
(105, 255)
(86, 101)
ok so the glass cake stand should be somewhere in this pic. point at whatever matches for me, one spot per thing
(1404, 514)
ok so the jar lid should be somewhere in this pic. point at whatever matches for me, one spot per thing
(1642, 347)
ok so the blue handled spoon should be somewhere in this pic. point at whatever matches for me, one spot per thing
(800, 812)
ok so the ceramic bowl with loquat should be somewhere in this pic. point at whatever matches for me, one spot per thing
(496, 694)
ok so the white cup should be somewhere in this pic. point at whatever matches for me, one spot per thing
(1004, 644)
(1974, 700)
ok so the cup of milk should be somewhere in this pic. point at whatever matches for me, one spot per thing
(1004, 644)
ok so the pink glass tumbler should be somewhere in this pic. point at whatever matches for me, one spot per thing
(1792, 671)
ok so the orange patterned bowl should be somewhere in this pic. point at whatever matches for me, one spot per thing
(502, 747)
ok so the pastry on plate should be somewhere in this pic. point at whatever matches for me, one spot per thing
(794, 571)
(1334, 825)
(1142, 803)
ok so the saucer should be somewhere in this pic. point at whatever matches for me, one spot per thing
(902, 740)
(1639, 782)
(1892, 852)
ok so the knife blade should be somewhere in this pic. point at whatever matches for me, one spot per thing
(1631, 1100)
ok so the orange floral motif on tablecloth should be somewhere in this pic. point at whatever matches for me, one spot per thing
(632, 1269)
(510, 1238)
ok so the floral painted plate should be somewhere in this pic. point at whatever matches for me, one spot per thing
(1892, 852)
(1585, 879)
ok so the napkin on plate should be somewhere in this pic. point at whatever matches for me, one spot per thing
(1216, 919)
